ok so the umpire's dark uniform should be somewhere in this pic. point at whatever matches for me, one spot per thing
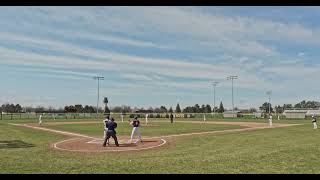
(111, 125)
(171, 118)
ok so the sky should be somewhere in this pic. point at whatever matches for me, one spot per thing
(153, 56)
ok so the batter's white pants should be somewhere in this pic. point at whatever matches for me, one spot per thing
(315, 125)
(105, 133)
(270, 123)
(135, 130)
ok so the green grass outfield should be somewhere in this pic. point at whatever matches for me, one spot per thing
(156, 128)
(293, 149)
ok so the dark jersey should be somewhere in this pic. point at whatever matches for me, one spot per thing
(111, 125)
(135, 123)
(106, 122)
(314, 120)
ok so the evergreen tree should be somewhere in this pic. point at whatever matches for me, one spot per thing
(178, 110)
(221, 108)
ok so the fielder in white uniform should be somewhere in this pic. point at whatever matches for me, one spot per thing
(314, 122)
(40, 119)
(147, 118)
(136, 124)
(204, 117)
(270, 120)
(121, 117)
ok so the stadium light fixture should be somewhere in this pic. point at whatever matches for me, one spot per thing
(98, 78)
(232, 78)
(214, 84)
(269, 93)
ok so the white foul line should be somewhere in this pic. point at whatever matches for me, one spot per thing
(55, 131)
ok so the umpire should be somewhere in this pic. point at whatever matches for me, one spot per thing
(171, 118)
(111, 132)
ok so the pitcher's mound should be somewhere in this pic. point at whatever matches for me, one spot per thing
(95, 145)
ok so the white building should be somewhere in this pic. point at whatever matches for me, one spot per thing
(231, 114)
(257, 114)
(295, 114)
(313, 112)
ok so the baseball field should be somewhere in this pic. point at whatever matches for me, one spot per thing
(185, 146)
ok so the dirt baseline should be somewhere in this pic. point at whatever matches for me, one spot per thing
(84, 143)
(95, 145)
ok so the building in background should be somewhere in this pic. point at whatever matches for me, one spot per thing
(295, 114)
(232, 114)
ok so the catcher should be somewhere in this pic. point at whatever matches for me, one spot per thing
(111, 132)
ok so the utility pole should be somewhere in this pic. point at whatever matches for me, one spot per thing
(98, 78)
(269, 94)
(232, 78)
(214, 84)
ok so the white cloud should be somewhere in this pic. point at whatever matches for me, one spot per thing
(241, 39)
(136, 77)
(294, 71)
(126, 63)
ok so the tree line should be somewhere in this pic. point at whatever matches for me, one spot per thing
(280, 109)
(162, 109)
(17, 108)
(78, 108)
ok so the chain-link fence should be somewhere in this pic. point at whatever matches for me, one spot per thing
(117, 116)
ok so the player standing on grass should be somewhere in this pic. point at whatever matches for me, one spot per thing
(171, 118)
(135, 124)
(40, 119)
(270, 120)
(314, 122)
(111, 132)
(121, 117)
(147, 118)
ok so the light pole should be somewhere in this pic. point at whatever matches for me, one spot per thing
(178, 102)
(98, 78)
(214, 84)
(269, 93)
(232, 78)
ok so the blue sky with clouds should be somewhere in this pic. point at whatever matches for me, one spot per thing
(152, 56)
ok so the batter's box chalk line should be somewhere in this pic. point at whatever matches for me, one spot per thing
(121, 141)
